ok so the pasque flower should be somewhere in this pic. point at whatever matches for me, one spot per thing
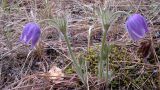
(136, 26)
(31, 34)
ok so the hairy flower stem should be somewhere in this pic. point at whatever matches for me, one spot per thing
(75, 64)
(102, 53)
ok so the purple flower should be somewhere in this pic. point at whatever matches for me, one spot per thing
(31, 33)
(136, 26)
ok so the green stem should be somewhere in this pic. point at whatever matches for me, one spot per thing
(120, 12)
(116, 13)
(75, 64)
(45, 20)
(69, 48)
(101, 65)
(103, 54)
(107, 67)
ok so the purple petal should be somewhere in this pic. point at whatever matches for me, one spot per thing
(25, 31)
(136, 26)
(144, 22)
(31, 32)
(35, 38)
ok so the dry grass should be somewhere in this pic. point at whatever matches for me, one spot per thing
(24, 69)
